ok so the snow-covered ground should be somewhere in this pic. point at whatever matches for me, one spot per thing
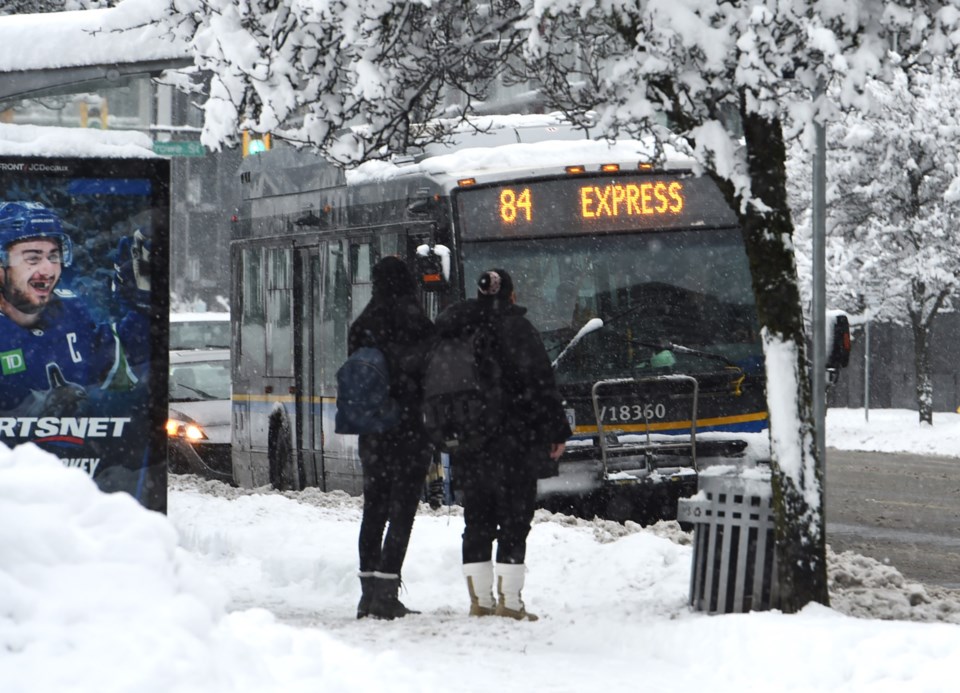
(256, 591)
(893, 430)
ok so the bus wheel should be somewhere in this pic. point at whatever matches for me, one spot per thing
(283, 475)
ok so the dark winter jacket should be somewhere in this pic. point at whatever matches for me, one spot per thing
(394, 322)
(533, 413)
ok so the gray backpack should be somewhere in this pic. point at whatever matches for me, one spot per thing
(462, 391)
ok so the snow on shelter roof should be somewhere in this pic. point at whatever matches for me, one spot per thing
(47, 141)
(126, 33)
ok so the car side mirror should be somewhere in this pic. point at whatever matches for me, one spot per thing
(433, 267)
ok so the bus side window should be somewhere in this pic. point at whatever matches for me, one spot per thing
(279, 311)
(252, 355)
(362, 259)
(332, 335)
(390, 245)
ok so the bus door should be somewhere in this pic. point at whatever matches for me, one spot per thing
(263, 367)
(311, 393)
(337, 286)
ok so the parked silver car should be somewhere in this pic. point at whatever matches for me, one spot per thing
(198, 424)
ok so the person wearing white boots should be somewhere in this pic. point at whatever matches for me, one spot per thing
(509, 580)
(480, 586)
(499, 482)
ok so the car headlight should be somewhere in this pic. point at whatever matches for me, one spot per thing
(189, 430)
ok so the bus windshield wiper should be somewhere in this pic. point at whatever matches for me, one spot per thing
(591, 325)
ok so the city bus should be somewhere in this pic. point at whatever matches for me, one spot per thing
(632, 268)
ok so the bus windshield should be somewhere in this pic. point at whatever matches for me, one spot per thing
(669, 300)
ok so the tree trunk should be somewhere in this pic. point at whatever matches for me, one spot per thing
(923, 309)
(921, 364)
(797, 475)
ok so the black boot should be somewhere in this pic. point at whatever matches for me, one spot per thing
(367, 588)
(386, 603)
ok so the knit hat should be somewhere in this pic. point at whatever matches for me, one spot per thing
(495, 284)
(391, 277)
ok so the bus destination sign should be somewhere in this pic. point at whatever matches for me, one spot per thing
(577, 205)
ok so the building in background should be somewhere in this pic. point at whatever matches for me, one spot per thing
(204, 190)
(205, 197)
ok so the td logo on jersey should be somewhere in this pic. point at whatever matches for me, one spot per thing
(12, 362)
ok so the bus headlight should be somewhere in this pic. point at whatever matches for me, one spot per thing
(189, 430)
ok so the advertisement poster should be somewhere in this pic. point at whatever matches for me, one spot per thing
(84, 306)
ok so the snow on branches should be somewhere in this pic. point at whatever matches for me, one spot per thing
(692, 67)
(355, 80)
(309, 70)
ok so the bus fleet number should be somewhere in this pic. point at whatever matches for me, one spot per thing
(632, 412)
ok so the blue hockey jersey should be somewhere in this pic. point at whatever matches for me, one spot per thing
(48, 369)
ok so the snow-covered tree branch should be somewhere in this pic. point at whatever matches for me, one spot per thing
(354, 80)
(891, 211)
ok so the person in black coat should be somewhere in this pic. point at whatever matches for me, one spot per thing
(499, 483)
(394, 462)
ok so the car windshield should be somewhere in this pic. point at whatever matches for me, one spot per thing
(199, 380)
(652, 290)
(199, 334)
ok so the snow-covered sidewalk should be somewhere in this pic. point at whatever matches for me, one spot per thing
(256, 591)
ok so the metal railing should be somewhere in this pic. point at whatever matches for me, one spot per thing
(650, 446)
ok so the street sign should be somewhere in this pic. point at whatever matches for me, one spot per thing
(189, 148)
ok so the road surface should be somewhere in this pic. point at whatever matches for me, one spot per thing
(900, 509)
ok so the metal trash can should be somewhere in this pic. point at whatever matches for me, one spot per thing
(734, 557)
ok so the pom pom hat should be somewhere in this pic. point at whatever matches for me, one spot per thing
(495, 284)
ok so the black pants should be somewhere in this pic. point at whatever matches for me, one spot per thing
(499, 499)
(394, 470)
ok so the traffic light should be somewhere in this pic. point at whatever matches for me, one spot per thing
(838, 339)
(94, 116)
(254, 143)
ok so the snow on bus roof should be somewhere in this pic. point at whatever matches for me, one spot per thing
(516, 144)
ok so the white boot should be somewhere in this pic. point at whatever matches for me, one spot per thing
(510, 579)
(480, 585)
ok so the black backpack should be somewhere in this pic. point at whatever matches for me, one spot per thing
(364, 404)
(462, 391)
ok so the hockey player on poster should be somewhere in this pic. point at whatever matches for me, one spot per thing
(53, 353)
